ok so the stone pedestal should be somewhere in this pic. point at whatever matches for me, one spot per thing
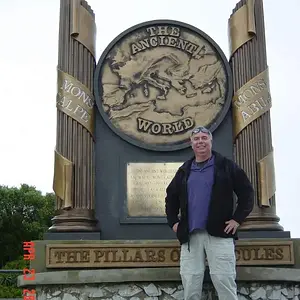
(121, 270)
(160, 283)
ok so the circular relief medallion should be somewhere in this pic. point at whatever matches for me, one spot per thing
(158, 80)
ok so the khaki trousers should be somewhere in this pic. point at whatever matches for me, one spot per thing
(221, 261)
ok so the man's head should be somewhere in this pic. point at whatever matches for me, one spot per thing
(201, 141)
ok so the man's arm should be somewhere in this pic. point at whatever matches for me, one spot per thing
(245, 194)
(172, 203)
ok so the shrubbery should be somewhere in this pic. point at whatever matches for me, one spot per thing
(25, 215)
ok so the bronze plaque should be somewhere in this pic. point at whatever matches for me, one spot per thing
(146, 187)
(158, 80)
(136, 255)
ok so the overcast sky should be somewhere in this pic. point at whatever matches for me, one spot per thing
(28, 56)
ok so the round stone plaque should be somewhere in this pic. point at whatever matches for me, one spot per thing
(158, 80)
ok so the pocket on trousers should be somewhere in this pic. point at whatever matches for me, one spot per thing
(223, 264)
(221, 256)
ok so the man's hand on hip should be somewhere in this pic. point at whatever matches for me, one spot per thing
(175, 227)
(231, 225)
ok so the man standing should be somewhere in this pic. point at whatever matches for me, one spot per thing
(202, 191)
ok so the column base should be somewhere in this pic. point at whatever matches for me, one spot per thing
(74, 220)
(263, 223)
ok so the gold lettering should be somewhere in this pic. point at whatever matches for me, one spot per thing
(76, 94)
(84, 256)
(175, 31)
(106, 255)
(255, 88)
(144, 44)
(114, 256)
(161, 40)
(256, 251)
(151, 30)
(86, 99)
(188, 123)
(138, 256)
(259, 104)
(125, 258)
(85, 116)
(177, 126)
(59, 254)
(246, 254)
(143, 125)
(161, 255)
(66, 86)
(167, 128)
(247, 94)
(162, 30)
(71, 256)
(156, 128)
(181, 44)
(279, 253)
(262, 84)
(191, 48)
(171, 42)
(98, 255)
(253, 108)
(153, 41)
(150, 255)
(134, 49)
(245, 115)
(164, 128)
(175, 255)
(79, 110)
(68, 106)
(269, 253)
(251, 101)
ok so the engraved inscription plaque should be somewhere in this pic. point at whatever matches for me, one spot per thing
(146, 187)
(139, 254)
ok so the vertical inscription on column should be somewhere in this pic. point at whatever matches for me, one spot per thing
(146, 187)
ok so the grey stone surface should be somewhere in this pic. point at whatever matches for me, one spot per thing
(151, 290)
(164, 291)
(129, 290)
(67, 236)
(119, 276)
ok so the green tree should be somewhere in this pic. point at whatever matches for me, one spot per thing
(25, 215)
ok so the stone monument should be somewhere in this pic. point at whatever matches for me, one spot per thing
(122, 132)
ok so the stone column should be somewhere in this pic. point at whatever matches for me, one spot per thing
(74, 154)
(251, 111)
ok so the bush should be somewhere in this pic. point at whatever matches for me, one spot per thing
(8, 281)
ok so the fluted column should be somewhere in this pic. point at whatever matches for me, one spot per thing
(74, 154)
(251, 110)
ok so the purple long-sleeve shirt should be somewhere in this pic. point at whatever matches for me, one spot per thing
(199, 192)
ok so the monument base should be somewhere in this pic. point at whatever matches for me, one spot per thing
(149, 269)
(159, 283)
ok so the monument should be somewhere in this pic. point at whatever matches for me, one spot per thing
(123, 130)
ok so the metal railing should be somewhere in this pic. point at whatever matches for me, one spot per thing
(11, 271)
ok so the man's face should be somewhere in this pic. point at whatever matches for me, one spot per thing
(201, 143)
